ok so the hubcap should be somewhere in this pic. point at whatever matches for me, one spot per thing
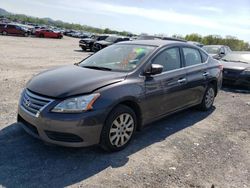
(209, 98)
(121, 130)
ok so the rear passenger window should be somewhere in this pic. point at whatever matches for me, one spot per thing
(102, 38)
(169, 59)
(204, 56)
(192, 56)
(10, 26)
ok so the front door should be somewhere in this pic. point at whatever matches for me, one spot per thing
(166, 92)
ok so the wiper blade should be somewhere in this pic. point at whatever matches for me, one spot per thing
(97, 67)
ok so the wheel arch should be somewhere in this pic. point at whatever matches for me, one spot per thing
(133, 104)
(214, 83)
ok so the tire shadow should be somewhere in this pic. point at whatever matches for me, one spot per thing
(28, 162)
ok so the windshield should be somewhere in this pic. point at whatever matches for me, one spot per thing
(111, 39)
(120, 57)
(212, 49)
(237, 57)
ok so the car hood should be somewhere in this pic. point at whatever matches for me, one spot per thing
(72, 80)
(104, 42)
(235, 65)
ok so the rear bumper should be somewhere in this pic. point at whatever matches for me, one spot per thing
(72, 130)
(241, 80)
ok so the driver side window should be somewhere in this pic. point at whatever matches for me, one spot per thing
(169, 59)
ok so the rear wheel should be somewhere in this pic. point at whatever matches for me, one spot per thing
(208, 99)
(26, 35)
(118, 129)
(5, 33)
(41, 35)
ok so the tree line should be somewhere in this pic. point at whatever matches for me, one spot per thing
(231, 41)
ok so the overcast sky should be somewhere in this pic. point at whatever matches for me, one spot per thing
(222, 17)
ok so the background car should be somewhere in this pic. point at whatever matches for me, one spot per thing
(14, 29)
(236, 69)
(48, 33)
(88, 43)
(217, 51)
(98, 45)
(35, 28)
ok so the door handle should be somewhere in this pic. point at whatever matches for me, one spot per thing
(205, 74)
(182, 80)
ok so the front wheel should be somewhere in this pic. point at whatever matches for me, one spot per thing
(5, 33)
(97, 47)
(118, 129)
(208, 99)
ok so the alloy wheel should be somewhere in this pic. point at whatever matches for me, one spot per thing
(209, 99)
(121, 130)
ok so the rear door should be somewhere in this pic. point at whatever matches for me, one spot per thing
(47, 33)
(166, 92)
(197, 74)
(18, 30)
(11, 29)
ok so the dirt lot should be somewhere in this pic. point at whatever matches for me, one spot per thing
(189, 149)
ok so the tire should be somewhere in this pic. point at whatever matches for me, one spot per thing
(208, 99)
(97, 48)
(93, 49)
(119, 129)
(5, 33)
(41, 35)
(83, 49)
(26, 34)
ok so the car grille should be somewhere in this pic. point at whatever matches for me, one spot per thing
(34, 103)
(63, 137)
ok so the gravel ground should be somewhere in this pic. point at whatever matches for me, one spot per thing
(188, 149)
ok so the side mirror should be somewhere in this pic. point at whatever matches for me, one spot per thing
(222, 53)
(154, 69)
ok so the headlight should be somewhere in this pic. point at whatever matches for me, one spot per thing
(76, 104)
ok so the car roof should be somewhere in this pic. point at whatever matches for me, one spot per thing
(157, 43)
(214, 45)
